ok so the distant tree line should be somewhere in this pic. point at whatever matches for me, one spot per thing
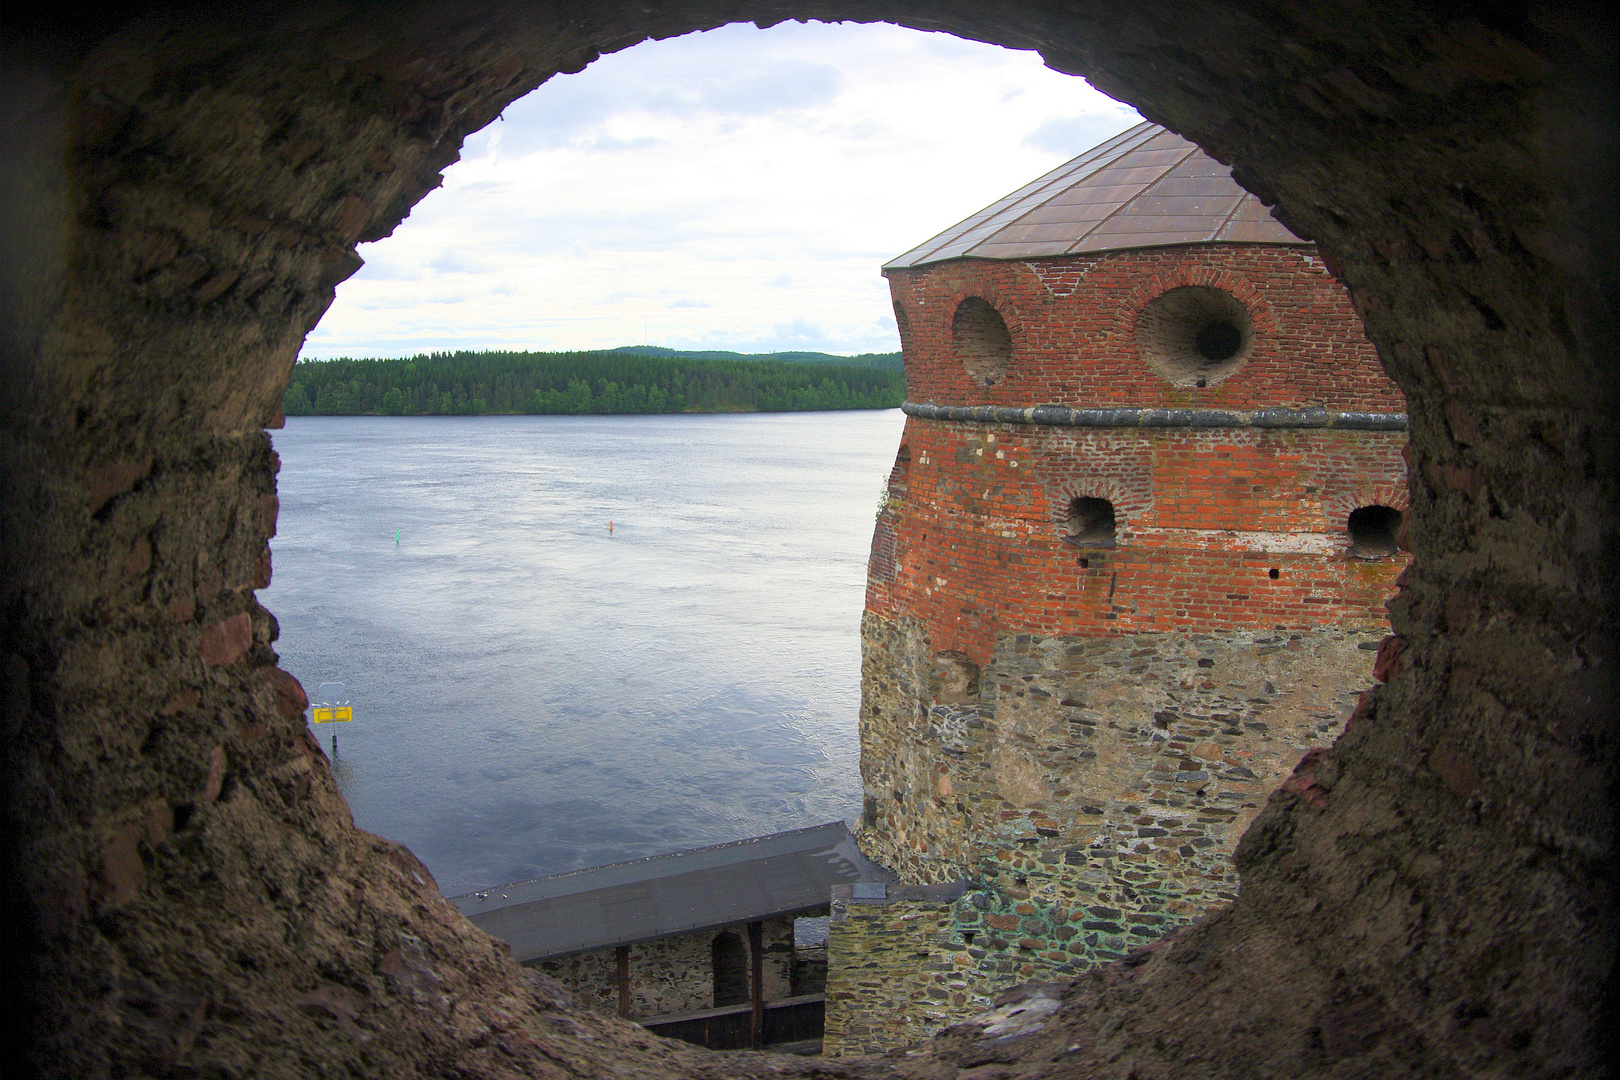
(888, 361)
(621, 381)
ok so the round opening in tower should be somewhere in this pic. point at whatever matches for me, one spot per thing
(1374, 532)
(1195, 335)
(1090, 523)
(979, 334)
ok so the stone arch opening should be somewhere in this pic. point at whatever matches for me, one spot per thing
(1090, 523)
(981, 339)
(1195, 335)
(729, 957)
(1374, 532)
(166, 251)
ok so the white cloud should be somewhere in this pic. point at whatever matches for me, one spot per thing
(770, 172)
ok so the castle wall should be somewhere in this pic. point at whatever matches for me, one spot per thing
(1217, 528)
(673, 974)
(1090, 793)
(1072, 322)
(1081, 732)
(1143, 756)
(903, 972)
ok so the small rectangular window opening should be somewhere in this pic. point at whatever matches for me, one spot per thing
(1274, 573)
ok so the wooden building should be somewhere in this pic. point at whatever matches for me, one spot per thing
(697, 945)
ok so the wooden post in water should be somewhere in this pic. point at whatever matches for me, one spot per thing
(756, 983)
(622, 953)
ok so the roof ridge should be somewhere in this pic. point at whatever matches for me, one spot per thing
(654, 858)
(1100, 164)
(1141, 132)
(1147, 186)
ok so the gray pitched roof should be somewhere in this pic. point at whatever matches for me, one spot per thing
(1146, 187)
(786, 873)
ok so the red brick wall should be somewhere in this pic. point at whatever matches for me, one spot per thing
(972, 540)
(1071, 321)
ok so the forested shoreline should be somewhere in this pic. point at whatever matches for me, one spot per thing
(631, 380)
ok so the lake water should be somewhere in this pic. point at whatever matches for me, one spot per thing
(533, 693)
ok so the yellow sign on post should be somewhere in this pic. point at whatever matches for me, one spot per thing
(333, 707)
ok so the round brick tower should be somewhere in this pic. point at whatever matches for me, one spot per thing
(1135, 554)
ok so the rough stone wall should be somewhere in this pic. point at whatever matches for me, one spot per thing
(1431, 896)
(1073, 741)
(809, 969)
(1091, 796)
(912, 965)
(672, 974)
(1072, 322)
(898, 979)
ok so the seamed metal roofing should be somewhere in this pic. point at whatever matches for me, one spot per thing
(1146, 187)
(786, 873)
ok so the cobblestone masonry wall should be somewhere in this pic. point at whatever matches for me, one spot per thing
(902, 973)
(1142, 757)
(672, 974)
(1091, 798)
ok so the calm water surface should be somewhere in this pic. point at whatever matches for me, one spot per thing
(535, 694)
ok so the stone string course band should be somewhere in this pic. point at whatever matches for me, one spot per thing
(1061, 416)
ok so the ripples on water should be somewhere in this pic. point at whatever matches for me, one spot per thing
(533, 694)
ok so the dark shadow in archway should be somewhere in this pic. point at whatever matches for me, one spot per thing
(1430, 896)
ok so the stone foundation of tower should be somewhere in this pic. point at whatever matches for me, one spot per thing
(1139, 758)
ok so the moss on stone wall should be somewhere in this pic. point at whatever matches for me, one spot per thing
(898, 972)
(1090, 794)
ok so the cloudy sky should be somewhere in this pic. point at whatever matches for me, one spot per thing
(735, 189)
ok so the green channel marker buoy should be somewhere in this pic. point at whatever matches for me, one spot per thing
(396, 538)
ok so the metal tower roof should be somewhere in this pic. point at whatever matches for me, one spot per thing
(1146, 187)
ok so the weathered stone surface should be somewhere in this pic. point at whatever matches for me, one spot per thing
(1083, 743)
(1455, 165)
(226, 641)
(1092, 797)
(895, 975)
(671, 974)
